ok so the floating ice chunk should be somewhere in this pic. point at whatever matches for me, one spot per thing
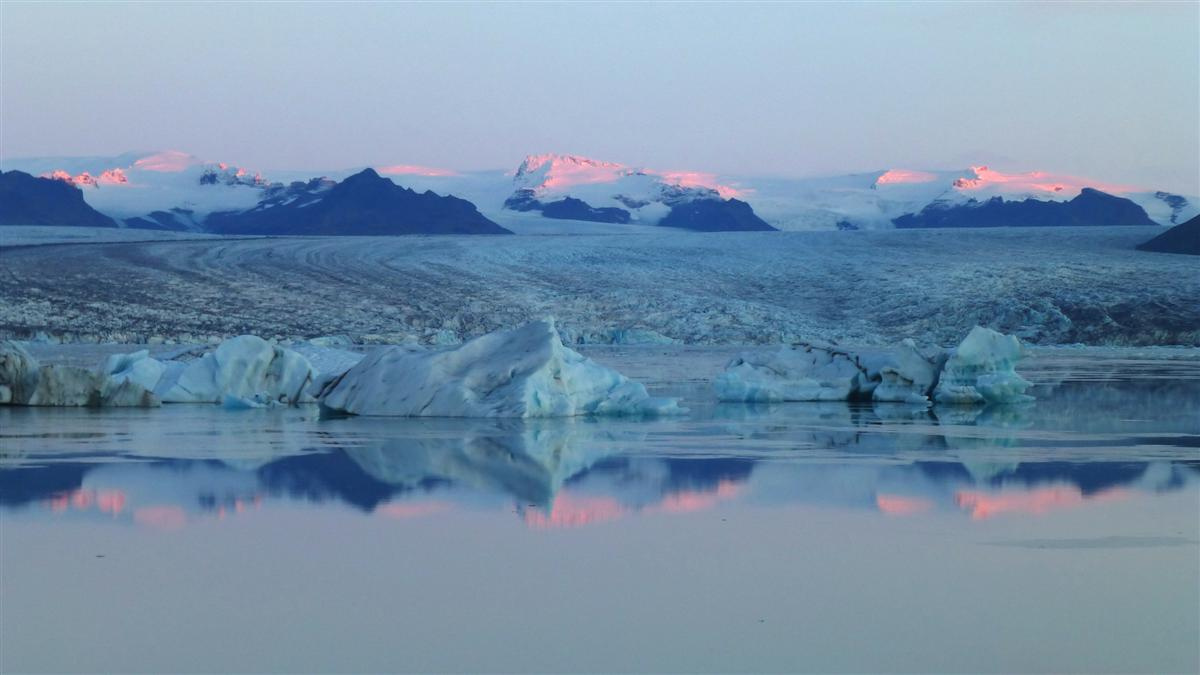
(523, 372)
(242, 367)
(25, 382)
(980, 370)
(909, 376)
(803, 372)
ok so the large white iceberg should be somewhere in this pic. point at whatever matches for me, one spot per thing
(523, 372)
(245, 367)
(981, 370)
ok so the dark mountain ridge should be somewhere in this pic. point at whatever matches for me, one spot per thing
(30, 200)
(364, 204)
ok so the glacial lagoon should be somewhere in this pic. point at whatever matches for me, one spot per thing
(1058, 535)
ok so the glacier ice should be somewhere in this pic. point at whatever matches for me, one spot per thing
(138, 368)
(522, 372)
(981, 370)
(243, 367)
(23, 381)
(805, 372)
(909, 376)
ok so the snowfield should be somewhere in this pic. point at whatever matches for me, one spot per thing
(1047, 286)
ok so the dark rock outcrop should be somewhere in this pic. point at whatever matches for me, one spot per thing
(1183, 238)
(29, 200)
(364, 204)
(570, 208)
(714, 215)
(1091, 207)
(567, 208)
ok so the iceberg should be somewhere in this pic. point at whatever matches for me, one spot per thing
(909, 376)
(23, 381)
(245, 367)
(522, 372)
(803, 372)
(981, 370)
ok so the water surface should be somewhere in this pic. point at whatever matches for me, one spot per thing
(1056, 536)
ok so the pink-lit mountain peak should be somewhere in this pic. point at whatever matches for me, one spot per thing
(553, 171)
(558, 173)
(166, 161)
(983, 182)
(983, 177)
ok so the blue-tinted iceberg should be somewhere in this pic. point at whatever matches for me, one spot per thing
(245, 367)
(979, 370)
(523, 372)
(805, 372)
(982, 370)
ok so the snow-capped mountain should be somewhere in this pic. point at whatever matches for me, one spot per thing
(975, 197)
(553, 193)
(159, 190)
(568, 187)
(362, 204)
(31, 200)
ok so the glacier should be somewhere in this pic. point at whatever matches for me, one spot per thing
(522, 372)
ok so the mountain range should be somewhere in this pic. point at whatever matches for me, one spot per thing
(550, 193)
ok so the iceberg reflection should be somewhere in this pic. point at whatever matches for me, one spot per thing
(899, 461)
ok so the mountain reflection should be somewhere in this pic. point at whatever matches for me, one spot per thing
(898, 461)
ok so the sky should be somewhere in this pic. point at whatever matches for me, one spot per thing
(1104, 90)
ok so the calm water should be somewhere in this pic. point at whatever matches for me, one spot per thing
(1057, 536)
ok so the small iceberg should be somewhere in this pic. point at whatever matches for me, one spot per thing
(523, 372)
(982, 370)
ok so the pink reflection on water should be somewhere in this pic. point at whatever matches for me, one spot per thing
(106, 501)
(900, 505)
(1038, 501)
(575, 511)
(405, 510)
(570, 510)
(689, 501)
(160, 517)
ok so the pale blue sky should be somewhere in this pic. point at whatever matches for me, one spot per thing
(1110, 91)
